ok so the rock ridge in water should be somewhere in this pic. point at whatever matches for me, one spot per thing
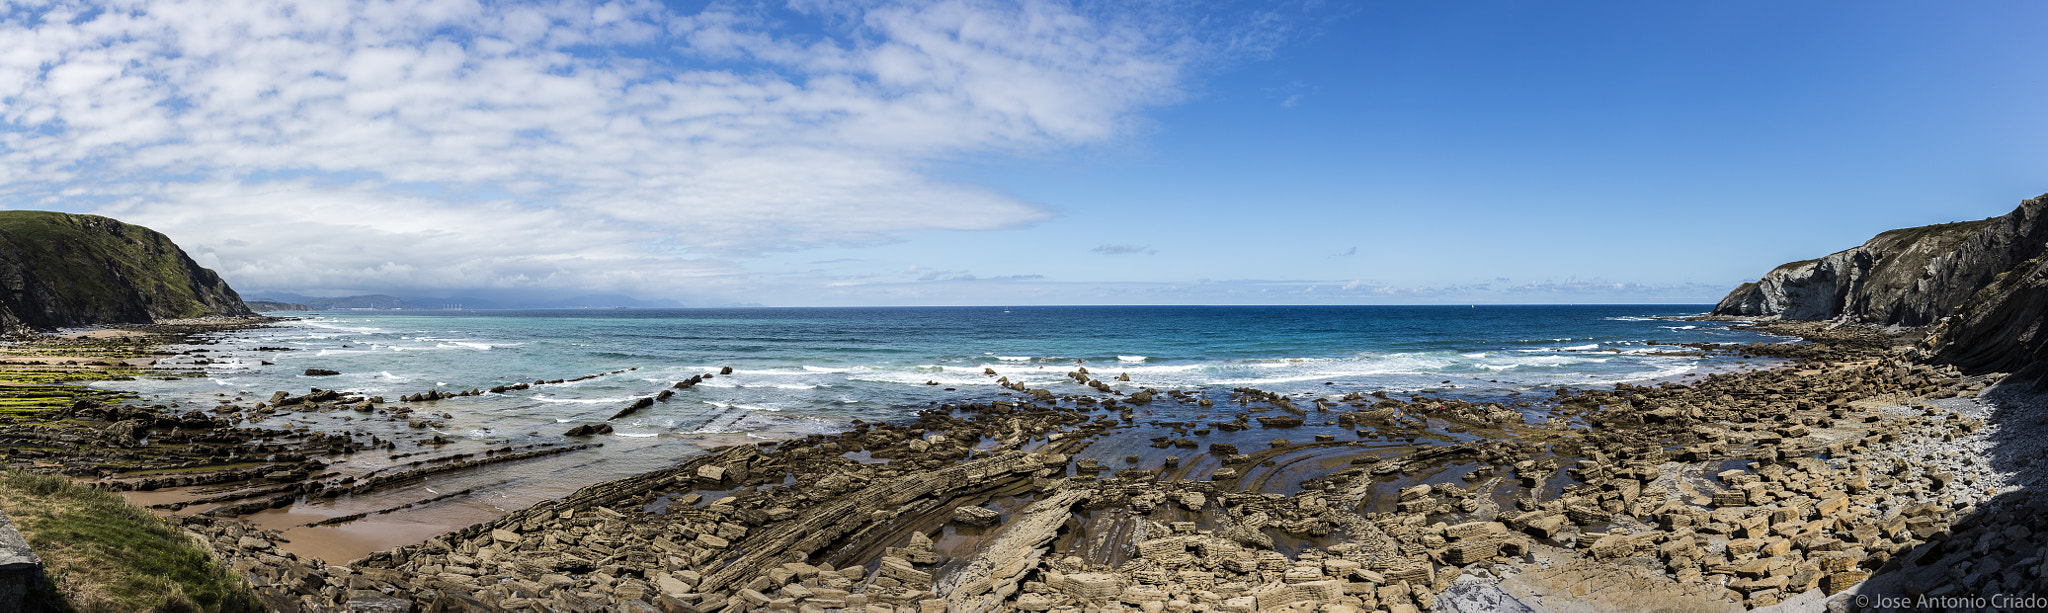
(60, 270)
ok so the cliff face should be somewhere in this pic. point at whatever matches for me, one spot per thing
(59, 270)
(2001, 328)
(1908, 277)
(1983, 285)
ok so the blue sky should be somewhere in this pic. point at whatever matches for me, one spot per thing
(969, 152)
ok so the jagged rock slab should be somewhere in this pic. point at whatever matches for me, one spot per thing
(993, 575)
(820, 526)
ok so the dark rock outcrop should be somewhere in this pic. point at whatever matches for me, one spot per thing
(59, 270)
(1909, 277)
(2001, 328)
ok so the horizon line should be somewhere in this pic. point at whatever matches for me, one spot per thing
(997, 306)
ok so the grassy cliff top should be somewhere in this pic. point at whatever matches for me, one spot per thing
(1941, 233)
(94, 266)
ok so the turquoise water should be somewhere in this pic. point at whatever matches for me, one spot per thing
(812, 369)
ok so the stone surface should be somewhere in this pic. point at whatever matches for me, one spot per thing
(21, 571)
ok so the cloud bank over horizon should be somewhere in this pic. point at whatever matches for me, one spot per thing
(602, 146)
(863, 152)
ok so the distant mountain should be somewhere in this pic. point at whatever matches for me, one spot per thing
(372, 301)
(267, 306)
(542, 301)
(60, 270)
(369, 301)
(609, 300)
(493, 300)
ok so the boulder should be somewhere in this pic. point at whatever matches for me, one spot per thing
(976, 516)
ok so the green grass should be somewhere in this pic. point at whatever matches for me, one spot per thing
(1940, 232)
(104, 554)
(1792, 265)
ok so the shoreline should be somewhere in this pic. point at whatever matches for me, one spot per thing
(1022, 459)
(362, 535)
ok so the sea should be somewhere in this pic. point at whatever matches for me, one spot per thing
(798, 371)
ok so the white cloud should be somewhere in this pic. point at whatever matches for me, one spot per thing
(1113, 249)
(451, 143)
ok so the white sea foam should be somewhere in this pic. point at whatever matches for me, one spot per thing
(1286, 370)
(616, 399)
(1586, 347)
(765, 372)
(1130, 358)
(355, 329)
(635, 434)
(1014, 358)
(919, 378)
(1539, 361)
(824, 369)
(328, 352)
(1146, 369)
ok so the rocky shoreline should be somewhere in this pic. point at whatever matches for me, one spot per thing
(1794, 486)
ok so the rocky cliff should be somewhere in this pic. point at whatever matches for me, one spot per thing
(59, 270)
(2000, 329)
(1981, 286)
(1909, 277)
